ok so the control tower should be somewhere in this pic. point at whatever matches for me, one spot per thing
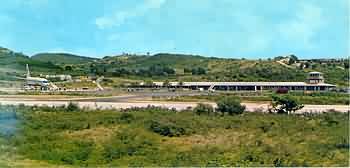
(315, 78)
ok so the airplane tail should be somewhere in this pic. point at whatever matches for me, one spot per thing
(28, 72)
(98, 83)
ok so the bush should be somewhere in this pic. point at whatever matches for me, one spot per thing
(202, 108)
(126, 117)
(72, 107)
(231, 105)
(128, 143)
(284, 104)
(167, 129)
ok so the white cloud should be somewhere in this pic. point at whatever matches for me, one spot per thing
(115, 20)
(119, 17)
(306, 24)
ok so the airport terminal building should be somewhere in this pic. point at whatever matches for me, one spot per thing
(315, 82)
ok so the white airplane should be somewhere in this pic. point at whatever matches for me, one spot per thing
(35, 81)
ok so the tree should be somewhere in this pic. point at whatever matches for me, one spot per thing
(199, 71)
(202, 108)
(166, 83)
(301, 66)
(181, 83)
(149, 83)
(231, 105)
(187, 70)
(292, 59)
(72, 107)
(284, 104)
(307, 65)
(68, 68)
(168, 70)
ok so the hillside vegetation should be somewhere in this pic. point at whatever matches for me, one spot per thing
(160, 137)
(163, 66)
(197, 68)
(62, 58)
(14, 64)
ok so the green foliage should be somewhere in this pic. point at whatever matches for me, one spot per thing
(304, 98)
(154, 70)
(72, 107)
(231, 105)
(292, 59)
(284, 104)
(198, 71)
(166, 83)
(126, 117)
(173, 66)
(203, 109)
(167, 129)
(62, 58)
(128, 143)
(117, 139)
(16, 62)
(68, 68)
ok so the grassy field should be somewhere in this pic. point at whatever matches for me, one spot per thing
(326, 98)
(159, 137)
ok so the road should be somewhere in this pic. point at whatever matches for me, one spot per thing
(175, 105)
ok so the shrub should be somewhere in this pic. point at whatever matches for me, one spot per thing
(167, 129)
(126, 117)
(284, 104)
(231, 105)
(72, 107)
(128, 143)
(202, 108)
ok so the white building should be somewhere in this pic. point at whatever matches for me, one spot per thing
(315, 82)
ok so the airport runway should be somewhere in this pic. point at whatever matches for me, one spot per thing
(126, 97)
(174, 105)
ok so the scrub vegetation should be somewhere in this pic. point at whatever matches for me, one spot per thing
(172, 67)
(160, 137)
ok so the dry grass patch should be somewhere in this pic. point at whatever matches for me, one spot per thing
(33, 163)
(98, 134)
(227, 138)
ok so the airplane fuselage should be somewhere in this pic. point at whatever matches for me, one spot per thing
(33, 81)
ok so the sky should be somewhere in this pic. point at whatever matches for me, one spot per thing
(221, 28)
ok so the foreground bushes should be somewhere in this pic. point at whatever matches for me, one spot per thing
(167, 129)
(203, 109)
(284, 104)
(230, 105)
(160, 137)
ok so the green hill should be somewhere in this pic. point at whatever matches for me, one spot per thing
(14, 64)
(62, 58)
(179, 67)
(198, 68)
